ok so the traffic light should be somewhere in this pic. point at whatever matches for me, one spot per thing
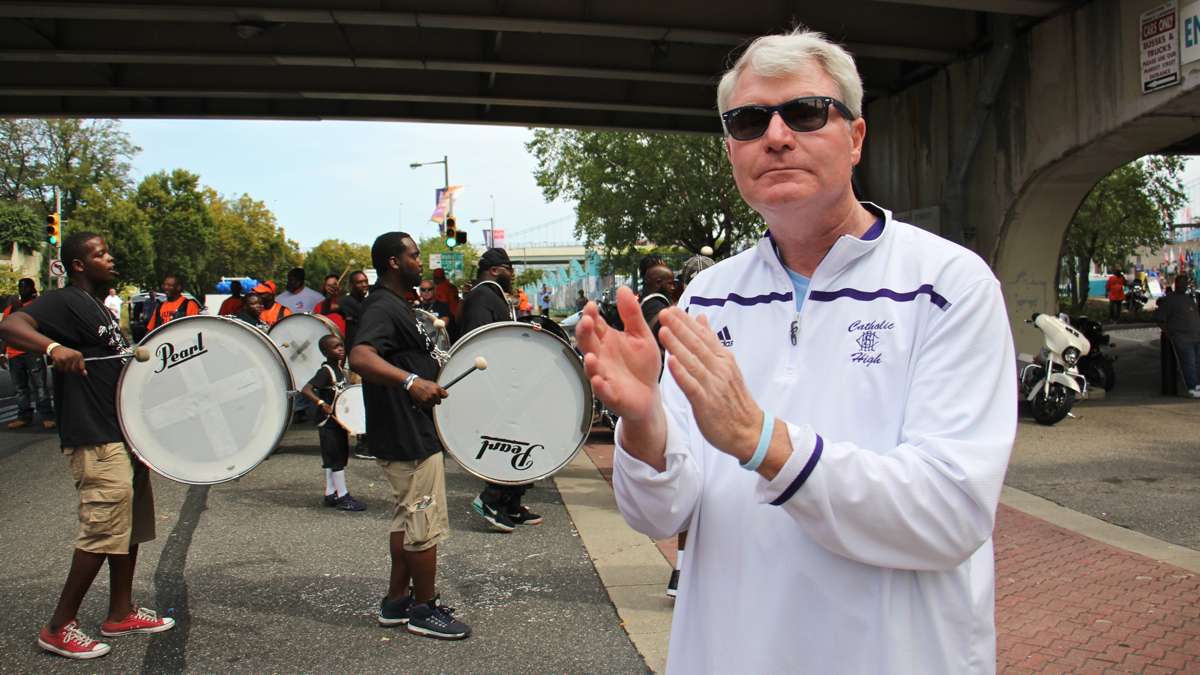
(53, 229)
(451, 232)
(461, 236)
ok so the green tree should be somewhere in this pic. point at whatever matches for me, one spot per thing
(1128, 209)
(437, 244)
(70, 155)
(247, 240)
(334, 256)
(638, 188)
(20, 224)
(181, 227)
(109, 209)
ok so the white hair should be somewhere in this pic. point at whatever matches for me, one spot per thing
(793, 53)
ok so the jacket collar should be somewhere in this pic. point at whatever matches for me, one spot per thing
(845, 251)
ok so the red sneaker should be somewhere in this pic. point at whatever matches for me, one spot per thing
(72, 643)
(140, 620)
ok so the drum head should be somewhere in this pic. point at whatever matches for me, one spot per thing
(523, 418)
(210, 404)
(297, 336)
(549, 325)
(348, 407)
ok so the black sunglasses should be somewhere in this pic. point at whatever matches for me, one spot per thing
(807, 113)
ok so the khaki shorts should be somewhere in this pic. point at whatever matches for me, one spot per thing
(116, 502)
(419, 491)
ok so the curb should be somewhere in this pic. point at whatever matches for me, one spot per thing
(1107, 533)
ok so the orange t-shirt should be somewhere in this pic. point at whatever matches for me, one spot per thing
(10, 352)
(166, 311)
(274, 314)
(1116, 288)
(230, 307)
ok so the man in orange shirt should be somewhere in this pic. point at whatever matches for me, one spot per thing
(175, 306)
(272, 311)
(233, 304)
(1116, 294)
(28, 370)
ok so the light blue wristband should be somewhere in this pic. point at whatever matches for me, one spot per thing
(764, 442)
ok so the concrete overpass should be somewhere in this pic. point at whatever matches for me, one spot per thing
(617, 63)
(999, 150)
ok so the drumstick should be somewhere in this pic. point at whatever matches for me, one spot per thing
(480, 364)
(141, 354)
(439, 324)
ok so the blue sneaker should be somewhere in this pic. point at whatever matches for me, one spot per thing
(432, 619)
(496, 518)
(394, 613)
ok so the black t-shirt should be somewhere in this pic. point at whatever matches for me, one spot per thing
(329, 379)
(86, 407)
(351, 308)
(483, 305)
(257, 322)
(651, 306)
(397, 429)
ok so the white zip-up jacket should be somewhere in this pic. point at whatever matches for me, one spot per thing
(871, 550)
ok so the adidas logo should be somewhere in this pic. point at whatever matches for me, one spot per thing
(725, 337)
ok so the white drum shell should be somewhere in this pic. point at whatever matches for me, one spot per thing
(350, 410)
(212, 412)
(297, 336)
(523, 418)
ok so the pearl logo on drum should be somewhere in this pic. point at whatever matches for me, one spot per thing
(520, 450)
(170, 357)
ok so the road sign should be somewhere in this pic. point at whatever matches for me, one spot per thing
(1160, 47)
(453, 264)
(57, 269)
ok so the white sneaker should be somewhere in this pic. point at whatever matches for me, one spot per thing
(1195, 393)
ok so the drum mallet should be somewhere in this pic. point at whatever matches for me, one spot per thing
(480, 364)
(140, 354)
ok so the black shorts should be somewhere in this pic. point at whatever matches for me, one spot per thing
(335, 446)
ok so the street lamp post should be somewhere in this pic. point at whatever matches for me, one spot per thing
(445, 162)
(488, 241)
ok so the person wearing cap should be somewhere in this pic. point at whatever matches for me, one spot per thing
(298, 297)
(272, 311)
(499, 505)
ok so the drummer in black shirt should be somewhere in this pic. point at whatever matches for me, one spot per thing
(116, 503)
(499, 505)
(394, 356)
(351, 303)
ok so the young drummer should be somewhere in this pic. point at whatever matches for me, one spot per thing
(116, 504)
(335, 441)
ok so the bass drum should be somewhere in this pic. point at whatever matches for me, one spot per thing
(298, 336)
(526, 416)
(212, 402)
(350, 411)
(547, 324)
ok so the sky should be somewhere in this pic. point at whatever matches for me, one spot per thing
(352, 180)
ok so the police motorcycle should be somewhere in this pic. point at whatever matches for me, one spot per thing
(1136, 298)
(1095, 365)
(1051, 381)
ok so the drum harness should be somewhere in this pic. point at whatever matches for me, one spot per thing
(338, 387)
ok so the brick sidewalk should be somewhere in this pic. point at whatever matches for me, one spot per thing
(1066, 603)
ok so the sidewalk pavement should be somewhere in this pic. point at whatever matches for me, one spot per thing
(1073, 594)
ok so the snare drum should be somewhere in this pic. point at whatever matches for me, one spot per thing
(350, 411)
(526, 416)
(212, 402)
(298, 336)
